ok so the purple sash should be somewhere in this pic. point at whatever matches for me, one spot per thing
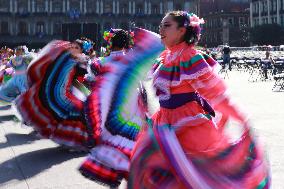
(177, 100)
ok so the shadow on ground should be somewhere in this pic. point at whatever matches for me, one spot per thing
(32, 163)
(15, 139)
(4, 118)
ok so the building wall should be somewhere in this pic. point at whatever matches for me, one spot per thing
(227, 21)
(36, 22)
(266, 12)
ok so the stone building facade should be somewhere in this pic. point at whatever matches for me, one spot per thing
(227, 22)
(266, 12)
(36, 22)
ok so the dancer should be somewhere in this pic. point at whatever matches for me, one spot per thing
(114, 138)
(14, 75)
(53, 103)
(185, 145)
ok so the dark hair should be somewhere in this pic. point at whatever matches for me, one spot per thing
(192, 33)
(81, 41)
(120, 39)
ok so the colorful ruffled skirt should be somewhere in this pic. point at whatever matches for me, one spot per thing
(53, 103)
(182, 149)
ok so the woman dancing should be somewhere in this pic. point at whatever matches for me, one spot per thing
(184, 145)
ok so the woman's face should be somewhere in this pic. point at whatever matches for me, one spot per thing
(75, 48)
(170, 33)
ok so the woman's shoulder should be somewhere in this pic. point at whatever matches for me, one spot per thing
(188, 54)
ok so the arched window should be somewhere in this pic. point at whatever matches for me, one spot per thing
(4, 28)
(57, 6)
(22, 28)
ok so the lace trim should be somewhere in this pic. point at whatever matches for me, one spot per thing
(208, 83)
(182, 122)
(164, 84)
(110, 157)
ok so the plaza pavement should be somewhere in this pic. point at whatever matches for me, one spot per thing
(29, 163)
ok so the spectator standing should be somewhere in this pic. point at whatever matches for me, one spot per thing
(226, 56)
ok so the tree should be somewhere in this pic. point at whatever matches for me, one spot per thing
(267, 34)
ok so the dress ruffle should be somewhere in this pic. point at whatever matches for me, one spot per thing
(50, 105)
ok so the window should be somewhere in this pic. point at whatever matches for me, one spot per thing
(155, 9)
(4, 5)
(91, 6)
(57, 6)
(57, 28)
(124, 25)
(274, 5)
(124, 9)
(40, 27)
(22, 28)
(40, 6)
(140, 25)
(108, 8)
(231, 21)
(241, 21)
(139, 9)
(74, 5)
(4, 27)
(178, 7)
(22, 6)
(107, 26)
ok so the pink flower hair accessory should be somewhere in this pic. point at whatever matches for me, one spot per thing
(193, 20)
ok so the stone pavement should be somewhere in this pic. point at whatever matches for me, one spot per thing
(29, 163)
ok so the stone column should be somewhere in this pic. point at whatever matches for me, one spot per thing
(67, 6)
(259, 13)
(102, 7)
(81, 5)
(16, 6)
(117, 7)
(268, 11)
(50, 6)
(29, 5)
(11, 6)
(113, 7)
(278, 12)
(85, 6)
(149, 8)
(46, 6)
(97, 7)
(145, 7)
(161, 8)
(129, 7)
(251, 14)
(63, 6)
(133, 7)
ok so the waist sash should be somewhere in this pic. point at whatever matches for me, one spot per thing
(177, 100)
